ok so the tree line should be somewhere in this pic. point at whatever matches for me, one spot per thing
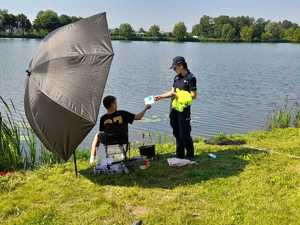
(245, 28)
(20, 26)
(221, 28)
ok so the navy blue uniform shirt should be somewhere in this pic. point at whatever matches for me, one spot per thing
(187, 83)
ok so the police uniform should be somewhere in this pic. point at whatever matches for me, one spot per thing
(181, 121)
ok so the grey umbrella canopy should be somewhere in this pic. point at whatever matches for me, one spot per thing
(66, 81)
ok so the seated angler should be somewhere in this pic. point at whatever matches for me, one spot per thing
(114, 122)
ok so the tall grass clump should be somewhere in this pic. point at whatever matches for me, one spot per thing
(296, 121)
(284, 116)
(48, 157)
(10, 144)
(280, 119)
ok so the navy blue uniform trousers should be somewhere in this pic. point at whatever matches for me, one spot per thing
(181, 124)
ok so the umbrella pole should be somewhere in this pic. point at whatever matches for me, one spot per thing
(0, 132)
(75, 163)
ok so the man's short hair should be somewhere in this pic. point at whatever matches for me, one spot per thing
(108, 101)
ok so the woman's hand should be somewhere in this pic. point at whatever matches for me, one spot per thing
(168, 94)
(157, 98)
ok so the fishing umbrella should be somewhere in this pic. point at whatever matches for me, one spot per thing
(65, 84)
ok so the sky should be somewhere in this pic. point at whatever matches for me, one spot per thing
(165, 13)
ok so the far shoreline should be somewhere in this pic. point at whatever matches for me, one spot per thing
(138, 39)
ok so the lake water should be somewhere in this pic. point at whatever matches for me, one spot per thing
(238, 84)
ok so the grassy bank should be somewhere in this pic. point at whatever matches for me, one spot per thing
(242, 186)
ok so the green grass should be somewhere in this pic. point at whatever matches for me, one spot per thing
(240, 186)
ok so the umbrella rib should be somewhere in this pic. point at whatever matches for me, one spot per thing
(73, 56)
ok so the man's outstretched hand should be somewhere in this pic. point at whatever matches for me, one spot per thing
(147, 107)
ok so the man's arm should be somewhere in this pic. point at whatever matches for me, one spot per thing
(95, 144)
(140, 115)
(167, 94)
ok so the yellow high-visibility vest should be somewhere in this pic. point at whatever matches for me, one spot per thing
(183, 100)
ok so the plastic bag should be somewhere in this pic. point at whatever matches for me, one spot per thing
(176, 162)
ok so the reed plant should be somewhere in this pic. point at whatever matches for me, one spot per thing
(10, 145)
(284, 116)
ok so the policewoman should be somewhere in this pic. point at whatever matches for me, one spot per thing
(184, 90)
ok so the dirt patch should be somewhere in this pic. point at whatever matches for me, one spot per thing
(137, 210)
(3, 174)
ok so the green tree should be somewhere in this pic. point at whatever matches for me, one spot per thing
(286, 24)
(75, 18)
(154, 31)
(259, 27)
(289, 34)
(274, 29)
(141, 30)
(47, 20)
(115, 32)
(247, 33)
(205, 28)
(23, 23)
(169, 34)
(241, 21)
(64, 20)
(219, 22)
(10, 22)
(180, 31)
(292, 34)
(126, 30)
(228, 32)
(196, 30)
(222, 20)
(266, 36)
(297, 35)
(3, 16)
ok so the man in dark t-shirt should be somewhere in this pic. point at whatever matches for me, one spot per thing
(180, 121)
(114, 124)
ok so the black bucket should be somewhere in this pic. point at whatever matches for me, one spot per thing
(147, 150)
